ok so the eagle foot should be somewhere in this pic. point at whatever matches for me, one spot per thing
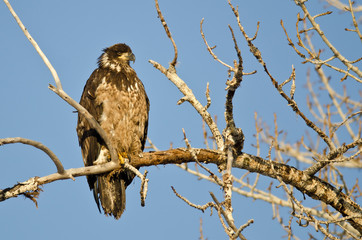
(121, 157)
(121, 162)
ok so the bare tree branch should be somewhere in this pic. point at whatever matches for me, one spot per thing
(202, 208)
(211, 48)
(336, 53)
(164, 24)
(332, 155)
(38, 145)
(35, 45)
(190, 97)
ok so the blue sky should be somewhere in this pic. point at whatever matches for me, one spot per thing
(72, 35)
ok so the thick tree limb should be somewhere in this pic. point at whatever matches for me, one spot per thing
(309, 185)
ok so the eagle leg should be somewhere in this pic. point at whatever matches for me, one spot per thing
(121, 162)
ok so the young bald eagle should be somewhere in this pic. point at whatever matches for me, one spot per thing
(116, 98)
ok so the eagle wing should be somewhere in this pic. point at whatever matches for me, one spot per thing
(89, 140)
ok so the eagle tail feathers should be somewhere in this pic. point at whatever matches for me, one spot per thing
(112, 194)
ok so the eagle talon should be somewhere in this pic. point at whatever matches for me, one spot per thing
(121, 162)
(121, 158)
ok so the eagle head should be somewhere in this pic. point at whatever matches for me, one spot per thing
(115, 56)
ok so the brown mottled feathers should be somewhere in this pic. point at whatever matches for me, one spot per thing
(116, 97)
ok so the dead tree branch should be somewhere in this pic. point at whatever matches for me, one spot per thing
(35, 45)
(167, 30)
(317, 28)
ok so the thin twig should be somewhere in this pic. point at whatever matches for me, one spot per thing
(242, 227)
(210, 48)
(144, 188)
(332, 155)
(164, 24)
(194, 156)
(153, 146)
(349, 117)
(202, 208)
(208, 98)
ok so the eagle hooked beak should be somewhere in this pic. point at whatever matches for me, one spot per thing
(132, 57)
